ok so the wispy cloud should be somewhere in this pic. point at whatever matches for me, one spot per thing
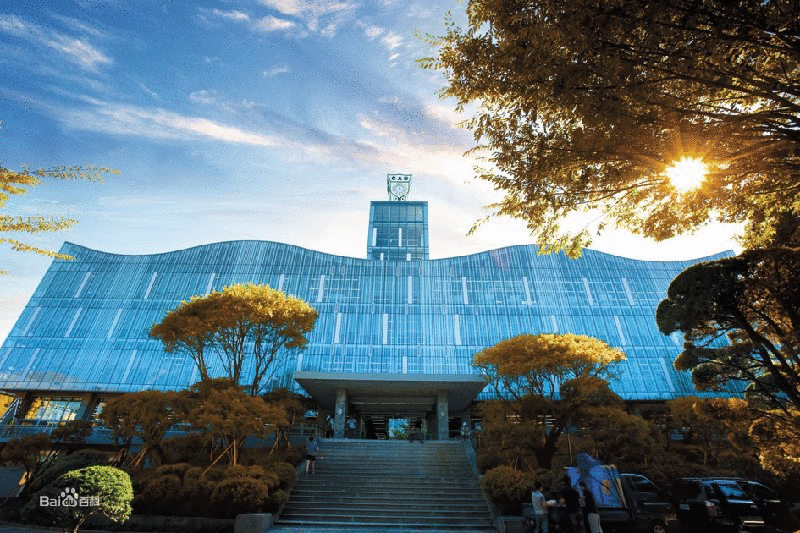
(276, 70)
(76, 50)
(234, 15)
(324, 18)
(270, 23)
(392, 40)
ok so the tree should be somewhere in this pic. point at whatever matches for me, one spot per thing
(80, 494)
(250, 328)
(230, 416)
(582, 106)
(545, 380)
(39, 452)
(146, 415)
(740, 318)
(20, 182)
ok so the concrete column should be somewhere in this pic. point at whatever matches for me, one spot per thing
(26, 401)
(340, 413)
(442, 415)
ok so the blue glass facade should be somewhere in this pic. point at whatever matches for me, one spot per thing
(86, 327)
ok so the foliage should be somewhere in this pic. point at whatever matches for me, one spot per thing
(252, 325)
(229, 415)
(160, 496)
(239, 495)
(753, 302)
(618, 437)
(146, 415)
(545, 380)
(110, 487)
(20, 182)
(38, 453)
(582, 106)
(507, 487)
(292, 405)
(67, 463)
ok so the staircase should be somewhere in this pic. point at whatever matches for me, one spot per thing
(388, 486)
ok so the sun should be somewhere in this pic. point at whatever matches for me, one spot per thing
(687, 173)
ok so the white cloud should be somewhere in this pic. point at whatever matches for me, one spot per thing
(236, 16)
(373, 31)
(270, 23)
(75, 50)
(203, 97)
(83, 54)
(445, 113)
(392, 40)
(276, 70)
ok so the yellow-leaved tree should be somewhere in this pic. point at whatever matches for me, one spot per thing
(14, 182)
(250, 328)
(544, 381)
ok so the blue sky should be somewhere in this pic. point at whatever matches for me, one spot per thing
(241, 119)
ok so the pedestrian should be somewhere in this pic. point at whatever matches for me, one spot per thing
(466, 432)
(571, 501)
(311, 454)
(590, 511)
(328, 429)
(541, 516)
(351, 427)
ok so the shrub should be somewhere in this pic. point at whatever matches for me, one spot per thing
(508, 488)
(67, 463)
(160, 495)
(275, 500)
(235, 471)
(239, 495)
(178, 469)
(287, 474)
(94, 490)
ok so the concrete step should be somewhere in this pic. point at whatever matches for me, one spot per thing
(388, 486)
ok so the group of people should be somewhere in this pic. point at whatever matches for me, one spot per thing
(575, 511)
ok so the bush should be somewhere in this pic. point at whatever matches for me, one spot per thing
(67, 463)
(91, 491)
(160, 495)
(177, 469)
(276, 500)
(235, 471)
(239, 495)
(508, 488)
(287, 474)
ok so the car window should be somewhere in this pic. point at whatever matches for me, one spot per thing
(761, 492)
(732, 491)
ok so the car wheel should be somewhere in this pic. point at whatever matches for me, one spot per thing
(658, 527)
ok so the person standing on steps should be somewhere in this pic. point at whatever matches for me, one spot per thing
(312, 447)
(351, 427)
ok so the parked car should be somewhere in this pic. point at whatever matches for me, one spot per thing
(729, 504)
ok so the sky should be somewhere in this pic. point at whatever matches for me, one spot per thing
(243, 119)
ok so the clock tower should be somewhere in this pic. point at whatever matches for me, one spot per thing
(398, 229)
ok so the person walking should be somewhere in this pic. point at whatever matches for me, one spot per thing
(571, 501)
(590, 512)
(541, 517)
(312, 447)
(466, 432)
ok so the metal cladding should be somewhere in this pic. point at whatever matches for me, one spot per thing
(86, 327)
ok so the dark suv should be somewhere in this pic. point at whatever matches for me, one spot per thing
(728, 504)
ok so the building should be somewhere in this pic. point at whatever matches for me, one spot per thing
(396, 331)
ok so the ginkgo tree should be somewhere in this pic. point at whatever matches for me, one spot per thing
(19, 182)
(543, 381)
(599, 106)
(249, 328)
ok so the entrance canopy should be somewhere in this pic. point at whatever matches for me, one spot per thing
(404, 394)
